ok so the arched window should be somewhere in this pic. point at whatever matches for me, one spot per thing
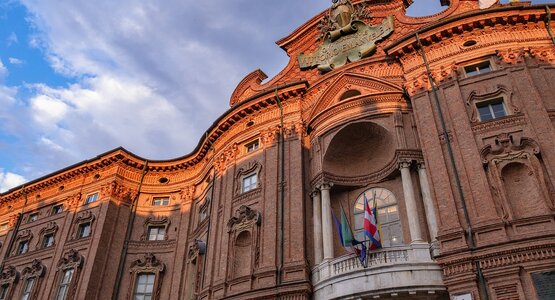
(388, 216)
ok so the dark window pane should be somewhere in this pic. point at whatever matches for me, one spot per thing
(498, 109)
(485, 113)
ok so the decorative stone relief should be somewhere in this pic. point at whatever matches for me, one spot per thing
(82, 218)
(37, 269)
(71, 259)
(511, 56)
(198, 247)
(512, 157)
(74, 200)
(226, 158)
(187, 193)
(244, 242)
(250, 168)
(118, 191)
(50, 228)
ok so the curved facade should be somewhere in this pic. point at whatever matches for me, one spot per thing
(446, 121)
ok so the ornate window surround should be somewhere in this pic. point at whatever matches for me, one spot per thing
(155, 221)
(150, 264)
(50, 228)
(22, 236)
(253, 167)
(71, 260)
(82, 218)
(10, 276)
(37, 270)
(500, 92)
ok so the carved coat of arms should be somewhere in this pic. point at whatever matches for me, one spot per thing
(346, 38)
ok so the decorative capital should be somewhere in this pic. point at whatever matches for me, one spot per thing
(326, 186)
(315, 193)
(421, 164)
(404, 163)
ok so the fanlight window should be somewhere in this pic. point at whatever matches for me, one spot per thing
(349, 94)
(388, 216)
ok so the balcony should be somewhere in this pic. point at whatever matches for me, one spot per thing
(402, 272)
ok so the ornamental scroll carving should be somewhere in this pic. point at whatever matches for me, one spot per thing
(50, 228)
(72, 259)
(499, 92)
(9, 275)
(227, 157)
(74, 200)
(517, 177)
(22, 236)
(149, 264)
(187, 193)
(37, 269)
(244, 217)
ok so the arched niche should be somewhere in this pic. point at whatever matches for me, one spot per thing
(359, 149)
(242, 262)
(522, 190)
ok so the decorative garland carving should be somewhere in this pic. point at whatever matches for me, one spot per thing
(118, 191)
(226, 158)
(10, 275)
(250, 168)
(149, 264)
(511, 56)
(155, 221)
(74, 200)
(500, 91)
(543, 55)
(187, 193)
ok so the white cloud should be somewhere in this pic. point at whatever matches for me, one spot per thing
(12, 39)
(10, 180)
(3, 70)
(15, 61)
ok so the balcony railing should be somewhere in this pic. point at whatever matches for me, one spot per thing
(390, 270)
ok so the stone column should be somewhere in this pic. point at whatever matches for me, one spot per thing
(317, 225)
(327, 226)
(410, 201)
(427, 198)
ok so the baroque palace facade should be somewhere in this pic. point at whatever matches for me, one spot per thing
(446, 121)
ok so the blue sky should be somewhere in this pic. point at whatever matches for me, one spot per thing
(78, 78)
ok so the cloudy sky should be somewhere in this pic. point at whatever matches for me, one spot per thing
(81, 77)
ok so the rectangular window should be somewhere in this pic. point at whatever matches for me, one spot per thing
(4, 291)
(91, 198)
(249, 182)
(84, 230)
(144, 286)
(64, 284)
(48, 240)
(252, 146)
(23, 247)
(57, 209)
(479, 68)
(492, 109)
(27, 288)
(156, 233)
(33, 217)
(161, 201)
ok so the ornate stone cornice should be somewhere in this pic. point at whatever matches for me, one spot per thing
(149, 264)
(507, 147)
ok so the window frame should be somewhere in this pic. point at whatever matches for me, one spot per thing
(477, 71)
(146, 293)
(33, 217)
(252, 146)
(252, 185)
(157, 235)
(54, 210)
(45, 239)
(148, 264)
(65, 285)
(80, 230)
(488, 103)
(162, 201)
(94, 195)
(19, 250)
(386, 240)
(26, 294)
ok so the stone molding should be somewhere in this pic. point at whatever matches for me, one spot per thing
(118, 192)
(155, 221)
(149, 264)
